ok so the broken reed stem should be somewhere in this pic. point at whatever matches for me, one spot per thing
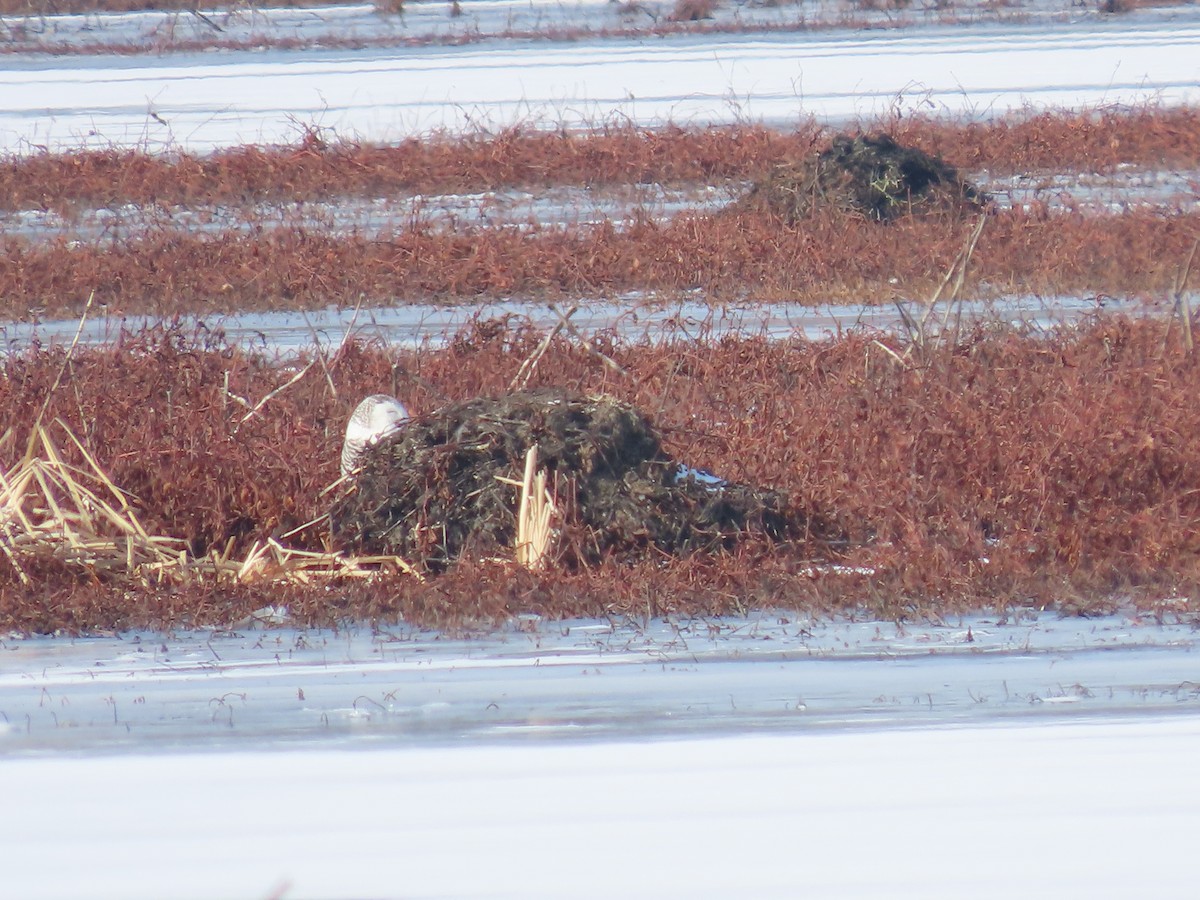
(271, 560)
(1182, 305)
(58, 378)
(275, 393)
(523, 525)
(521, 379)
(534, 510)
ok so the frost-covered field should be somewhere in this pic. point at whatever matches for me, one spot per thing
(767, 756)
(203, 101)
(763, 756)
(1095, 809)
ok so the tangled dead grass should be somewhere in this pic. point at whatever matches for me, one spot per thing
(75, 519)
(995, 467)
(75, 516)
(170, 271)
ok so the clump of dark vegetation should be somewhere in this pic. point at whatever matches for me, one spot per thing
(872, 176)
(444, 486)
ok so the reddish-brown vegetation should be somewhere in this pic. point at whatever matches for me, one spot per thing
(317, 169)
(728, 256)
(1004, 468)
(692, 10)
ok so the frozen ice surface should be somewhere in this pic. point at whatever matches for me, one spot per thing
(566, 206)
(764, 757)
(281, 687)
(633, 317)
(204, 101)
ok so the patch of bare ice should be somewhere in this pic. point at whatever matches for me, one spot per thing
(633, 317)
(594, 679)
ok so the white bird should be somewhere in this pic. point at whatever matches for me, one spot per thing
(377, 417)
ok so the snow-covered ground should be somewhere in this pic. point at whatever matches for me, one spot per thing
(208, 100)
(1097, 809)
(769, 756)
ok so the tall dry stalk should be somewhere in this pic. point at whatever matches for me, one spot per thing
(534, 512)
(918, 329)
(1183, 305)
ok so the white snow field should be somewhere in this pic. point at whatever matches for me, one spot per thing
(1098, 810)
(766, 757)
(208, 100)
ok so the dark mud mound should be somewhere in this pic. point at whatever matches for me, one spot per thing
(434, 491)
(872, 176)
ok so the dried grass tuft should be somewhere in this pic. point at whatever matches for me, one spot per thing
(271, 561)
(76, 517)
(535, 509)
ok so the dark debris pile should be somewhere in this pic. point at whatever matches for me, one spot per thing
(869, 175)
(441, 487)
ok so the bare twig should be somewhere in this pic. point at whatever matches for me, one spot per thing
(337, 355)
(320, 356)
(530, 364)
(915, 334)
(275, 393)
(587, 345)
(954, 277)
(903, 363)
(1183, 306)
(206, 20)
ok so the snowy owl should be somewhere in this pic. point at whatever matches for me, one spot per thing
(374, 419)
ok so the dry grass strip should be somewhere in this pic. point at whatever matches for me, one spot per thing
(999, 466)
(316, 168)
(831, 257)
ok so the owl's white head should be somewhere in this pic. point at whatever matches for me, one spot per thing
(374, 419)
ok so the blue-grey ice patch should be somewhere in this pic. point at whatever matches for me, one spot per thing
(700, 476)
